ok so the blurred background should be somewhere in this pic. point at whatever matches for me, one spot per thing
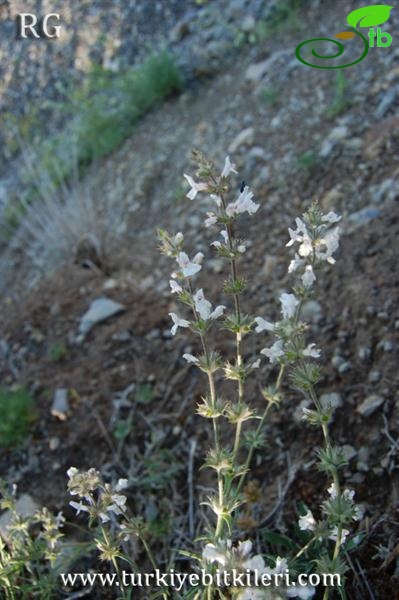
(97, 128)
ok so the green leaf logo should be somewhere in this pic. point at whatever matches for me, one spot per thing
(369, 16)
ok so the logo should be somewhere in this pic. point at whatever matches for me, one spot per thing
(29, 26)
(367, 17)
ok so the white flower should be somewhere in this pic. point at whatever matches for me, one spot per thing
(332, 490)
(308, 278)
(175, 287)
(118, 504)
(256, 364)
(295, 235)
(252, 594)
(331, 243)
(331, 217)
(244, 203)
(263, 325)
(307, 522)
(121, 485)
(72, 472)
(202, 306)
(228, 167)
(311, 351)
(225, 236)
(211, 220)
(219, 310)
(306, 247)
(288, 305)
(212, 553)
(195, 187)
(198, 258)
(188, 268)
(216, 244)
(295, 264)
(178, 322)
(191, 359)
(303, 592)
(241, 248)
(334, 535)
(274, 352)
(79, 507)
(217, 199)
(178, 238)
(281, 565)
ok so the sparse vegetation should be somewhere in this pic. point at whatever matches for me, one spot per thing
(341, 102)
(307, 160)
(16, 415)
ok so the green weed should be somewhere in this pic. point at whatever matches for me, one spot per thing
(16, 415)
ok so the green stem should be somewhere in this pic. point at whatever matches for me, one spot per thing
(149, 553)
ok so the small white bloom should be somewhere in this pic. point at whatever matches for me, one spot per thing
(198, 258)
(212, 553)
(256, 364)
(118, 504)
(216, 244)
(219, 310)
(274, 352)
(175, 287)
(104, 517)
(202, 306)
(72, 471)
(306, 247)
(195, 187)
(225, 236)
(308, 278)
(307, 522)
(331, 217)
(217, 200)
(211, 220)
(79, 507)
(244, 548)
(295, 264)
(288, 305)
(332, 490)
(188, 268)
(228, 167)
(122, 484)
(298, 234)
(331, 243)
(242, 248)
(178, 238)
(255, 563)
(334, 535)
(190, 358)
(311, 351)
(244, 203)
(178, 322)
(263, 325)
(281, 565)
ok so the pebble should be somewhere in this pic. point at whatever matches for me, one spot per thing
(370, 405)
(386, 346)
(336, 135)
(364, 353)
(332, 399)
(244, 138)
(60, 407)
(257, 71)
(269, 265)
(349, 451)
(54, 443)
(374, 376)
(100, 310)
(344, 367)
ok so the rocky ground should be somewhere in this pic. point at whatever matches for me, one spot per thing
(280, 123)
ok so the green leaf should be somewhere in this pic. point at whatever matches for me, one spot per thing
(278, 540)
(370, 16)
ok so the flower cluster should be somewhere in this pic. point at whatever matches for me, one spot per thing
(98, 499)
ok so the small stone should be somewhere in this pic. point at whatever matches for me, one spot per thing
(364, 353)
(244, 138)
(110, 284)
(122, 336)
(100, 310)
(336, 135)
(332, 399)
(386, 346)
(60, 407)
(25, 506)
(248, 23)
(54, 443)
(344, 367)
(349, 451)
(370, 405)
(337, 361)
(257, 71)
(374, 376)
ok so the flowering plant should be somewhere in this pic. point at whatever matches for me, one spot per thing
(316, 239)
